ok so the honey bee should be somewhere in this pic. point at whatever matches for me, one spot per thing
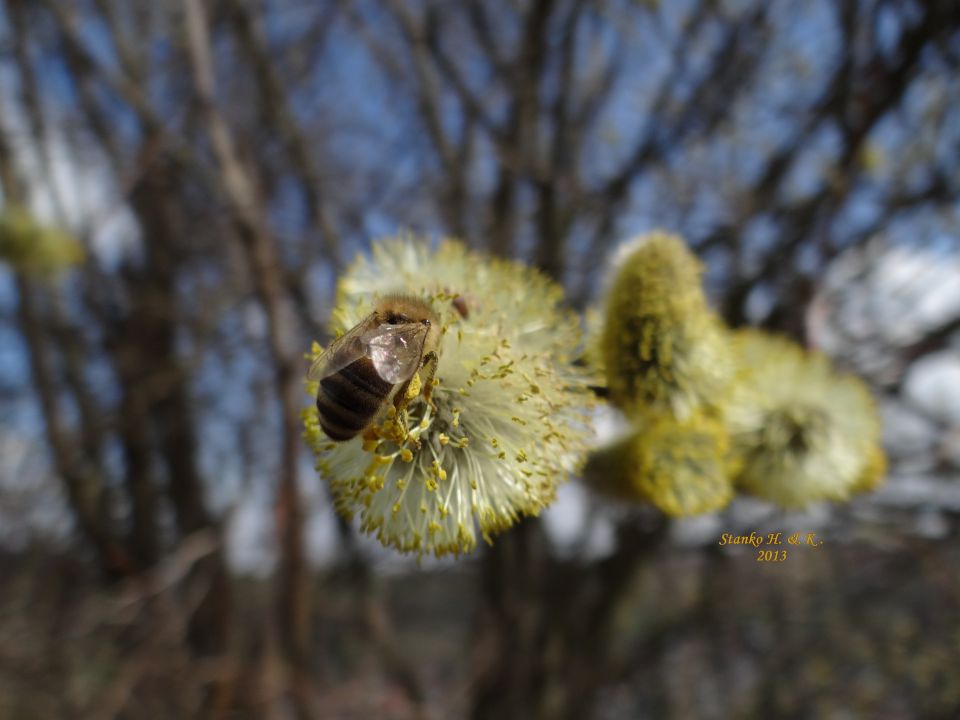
(377, 362)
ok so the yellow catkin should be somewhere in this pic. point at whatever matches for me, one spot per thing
(804, 431)
(661, 346)
(459, 467)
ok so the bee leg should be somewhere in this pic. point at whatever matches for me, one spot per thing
(430, 369)
(370, 435)
(403, 395)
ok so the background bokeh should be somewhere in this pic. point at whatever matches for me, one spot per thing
(193, 175)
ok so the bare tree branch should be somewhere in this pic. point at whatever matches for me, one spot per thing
(279, 116)
(293, 599)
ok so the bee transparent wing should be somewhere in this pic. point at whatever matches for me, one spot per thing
(396, 350)
(344, 350)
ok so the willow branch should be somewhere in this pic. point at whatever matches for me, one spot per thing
(247, 213)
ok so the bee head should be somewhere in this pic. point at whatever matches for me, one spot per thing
(405, 310)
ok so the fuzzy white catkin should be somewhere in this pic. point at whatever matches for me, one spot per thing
(509, 417)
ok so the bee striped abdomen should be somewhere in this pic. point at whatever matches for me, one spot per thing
(348, 400)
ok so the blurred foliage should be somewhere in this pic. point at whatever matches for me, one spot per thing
(844, 629)
(33, 248)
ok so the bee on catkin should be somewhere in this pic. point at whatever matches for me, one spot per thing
(375, 364)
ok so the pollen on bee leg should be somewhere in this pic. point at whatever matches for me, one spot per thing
(414, 388)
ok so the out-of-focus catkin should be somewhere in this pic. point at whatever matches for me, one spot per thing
(661, 346)
(803, 431)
